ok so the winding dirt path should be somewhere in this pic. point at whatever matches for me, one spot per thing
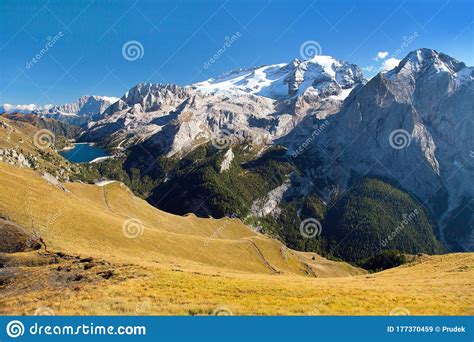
(106, 201)
(262, 257)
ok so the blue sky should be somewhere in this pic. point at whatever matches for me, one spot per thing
(178, 39)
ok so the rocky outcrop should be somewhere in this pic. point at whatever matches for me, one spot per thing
(16, 158)
(412, 125)
(264, 103)
(86, 105)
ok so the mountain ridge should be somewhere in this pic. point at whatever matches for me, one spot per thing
(416, 104)
(332, 122)
(104, 251)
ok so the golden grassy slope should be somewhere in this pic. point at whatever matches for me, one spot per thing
(170, 269)
(90, 219)
(190, 265)
(438, 285)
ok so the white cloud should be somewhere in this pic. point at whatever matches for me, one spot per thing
(389, 64)
(21, 107)
(26, 107)
(382, 54)
(7, 107)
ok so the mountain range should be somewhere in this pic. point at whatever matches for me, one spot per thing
(72, 248)
(87, 105)
(78, 112)
(279, 144)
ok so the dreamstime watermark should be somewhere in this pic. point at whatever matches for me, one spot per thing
(133, 50)
(310, 227)
(407, 218)
(51, 41)
(224, 138)
(470, 205)
(132, 228)
(319, 129)
(143, 307)
(37, 231)
(399, 139)
(222, 311)
(310, 49)
(400, 311)
(44, 139)
(15, 329)
(333, 193)
(219, 230)
(44, 311)
(317, 310)
(37, 234)
(407, 41)
(228, 42)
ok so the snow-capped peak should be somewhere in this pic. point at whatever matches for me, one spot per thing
(320, 75)
(427, 61)
(110, 99)
(328, 64)
(256, 81)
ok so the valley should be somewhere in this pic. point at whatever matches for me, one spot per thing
(298, 188)
(300, 137)
(107, 223)
(94, 264)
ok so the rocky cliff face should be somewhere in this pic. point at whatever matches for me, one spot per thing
(79, 112)
(85, 106)
(412, 124)
(264, 103)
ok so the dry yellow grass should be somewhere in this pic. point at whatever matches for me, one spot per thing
(189, 265)
(90, 220)
(437, 285)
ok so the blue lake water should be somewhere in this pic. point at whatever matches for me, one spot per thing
(84, 153)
